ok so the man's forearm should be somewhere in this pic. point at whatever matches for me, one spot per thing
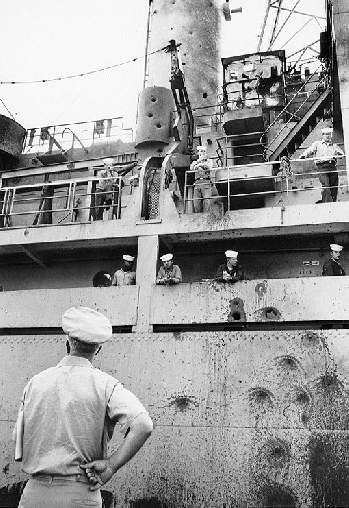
(135, 439)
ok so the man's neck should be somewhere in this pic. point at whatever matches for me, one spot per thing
(89, 357)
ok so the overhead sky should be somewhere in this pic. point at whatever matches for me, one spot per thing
(46, 39)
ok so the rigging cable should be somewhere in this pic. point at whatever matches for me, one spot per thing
(9, 112)
(81, 74)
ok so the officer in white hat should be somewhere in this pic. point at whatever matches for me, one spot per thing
(125, 276)
(326, 153)
(230, 271)
(168, 273)
(331, 266)
(70, 412)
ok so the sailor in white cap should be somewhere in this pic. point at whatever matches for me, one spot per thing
(168, 273)
(332, 267)
(104, 189)
(125, 276)
(230, 271)
(70, 412)
(203, 186)
(326, 153)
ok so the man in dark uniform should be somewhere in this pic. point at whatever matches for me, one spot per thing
(331, 266)
(230, 271)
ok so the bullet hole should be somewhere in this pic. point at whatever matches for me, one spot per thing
(153, 99)
(260, 397)
(302, 397)
(182, 402)
(261, 288)
(237, 312)
(287, 362)
(329, 383)
(310, 338)
(204, 95)
(158, 125)
(178, 336)
(275, 453)
(271, 313)
(150, 115)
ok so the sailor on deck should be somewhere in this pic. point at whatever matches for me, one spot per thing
(203, 186)
(125, 276)
(104, 189)
(325, 152)
(332, 266)
(231, 271)
(168, 273)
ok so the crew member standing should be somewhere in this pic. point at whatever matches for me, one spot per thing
(325, 152)
(67, 416)
(203, 186)
(125, 276)
(231, 270)
(104, 189)
(332, 266)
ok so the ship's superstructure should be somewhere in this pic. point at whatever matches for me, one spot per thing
(246, 382)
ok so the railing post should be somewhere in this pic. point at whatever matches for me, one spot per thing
(71, 199)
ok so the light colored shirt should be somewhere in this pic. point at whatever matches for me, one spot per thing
(70, 412)
(122, 278)
(106, 180)
(173, 273)
(323, 150)
(202, 168)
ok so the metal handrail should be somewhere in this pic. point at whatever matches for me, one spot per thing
(275, 177)
(286, 108)
(72, 196)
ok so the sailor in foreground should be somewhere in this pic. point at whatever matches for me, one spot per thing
(168, 273)
(326, 152)
(331, 266)
(67, 416)
(231, 271)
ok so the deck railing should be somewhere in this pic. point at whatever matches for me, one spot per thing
(260, 180)
(84, 135)
(62, 201)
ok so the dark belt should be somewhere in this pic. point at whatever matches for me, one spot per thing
(50, 478)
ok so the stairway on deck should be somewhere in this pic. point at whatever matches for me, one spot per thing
(300, 130)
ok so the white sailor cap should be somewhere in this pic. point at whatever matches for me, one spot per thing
(166, 257)
(327, 130)
(201, 147)
(231, 254)
(86, 325)
(126, 257)
(335, 247)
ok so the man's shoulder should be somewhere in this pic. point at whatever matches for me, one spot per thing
(328, 263)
